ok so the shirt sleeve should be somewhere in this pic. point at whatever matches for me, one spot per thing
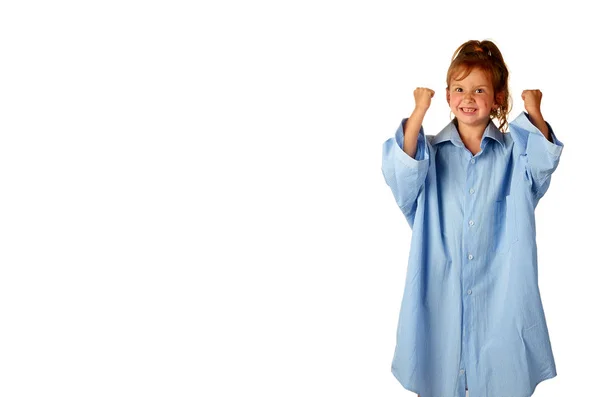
(403, 174)
(541, 155)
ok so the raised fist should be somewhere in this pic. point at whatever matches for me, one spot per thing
(423, 97)
(533, 100)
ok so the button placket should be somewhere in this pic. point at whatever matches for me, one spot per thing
(467, 269)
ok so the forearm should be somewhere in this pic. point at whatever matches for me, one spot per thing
(537, 120)
(411, 131)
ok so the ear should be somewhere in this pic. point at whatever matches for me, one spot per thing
(448, 95)
(500, 98)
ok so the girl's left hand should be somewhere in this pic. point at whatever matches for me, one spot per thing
(533, 100)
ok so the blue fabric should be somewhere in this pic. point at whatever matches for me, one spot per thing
(471, 313)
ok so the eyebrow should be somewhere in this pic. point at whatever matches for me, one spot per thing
(477, 86)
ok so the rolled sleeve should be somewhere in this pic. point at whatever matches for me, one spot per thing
(541, 155)
(403, 174)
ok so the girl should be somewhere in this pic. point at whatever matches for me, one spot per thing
(471, 314)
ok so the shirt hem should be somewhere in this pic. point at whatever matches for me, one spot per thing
(550, 375)
(405, 385)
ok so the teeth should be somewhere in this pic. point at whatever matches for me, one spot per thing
(468, 110)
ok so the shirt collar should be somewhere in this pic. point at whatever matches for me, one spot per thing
(450, 133)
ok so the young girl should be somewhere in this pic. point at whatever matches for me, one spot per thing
(471, 314)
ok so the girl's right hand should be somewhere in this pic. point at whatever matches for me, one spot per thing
(423, 97)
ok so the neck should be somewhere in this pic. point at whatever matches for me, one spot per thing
(470, 133)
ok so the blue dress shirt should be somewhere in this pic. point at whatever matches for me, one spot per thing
(471, 313)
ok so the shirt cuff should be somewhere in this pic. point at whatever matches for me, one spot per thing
(422, 153)
(524, 122)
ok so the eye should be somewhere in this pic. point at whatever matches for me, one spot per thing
(479, 90)
(458, 89)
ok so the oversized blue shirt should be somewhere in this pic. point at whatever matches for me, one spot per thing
(471, 313)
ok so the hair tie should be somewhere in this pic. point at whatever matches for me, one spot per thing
(480, 49)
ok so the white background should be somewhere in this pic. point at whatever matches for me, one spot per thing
(191, 199)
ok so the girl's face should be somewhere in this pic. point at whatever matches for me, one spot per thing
(471, 99)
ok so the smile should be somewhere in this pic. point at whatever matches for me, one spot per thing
(468, 110)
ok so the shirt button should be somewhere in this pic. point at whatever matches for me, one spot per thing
(471, 223)
(469, 292)
(471, 190)
(470, 256)
(472, 161)
(462, 371)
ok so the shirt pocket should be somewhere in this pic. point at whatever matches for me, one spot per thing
(505, 225)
